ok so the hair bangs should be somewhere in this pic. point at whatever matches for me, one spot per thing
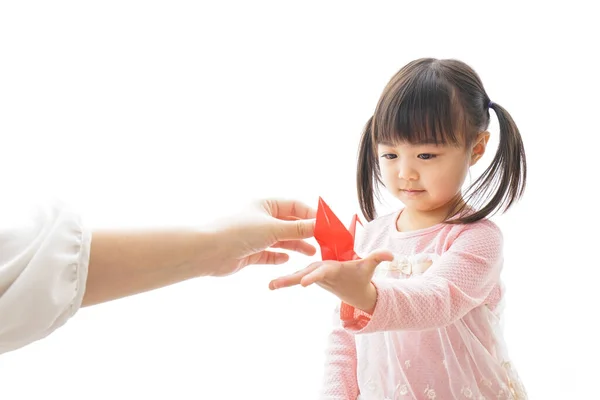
(420, 108)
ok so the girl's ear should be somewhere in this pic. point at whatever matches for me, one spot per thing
(478, 149)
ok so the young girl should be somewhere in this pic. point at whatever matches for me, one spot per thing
(422, 321)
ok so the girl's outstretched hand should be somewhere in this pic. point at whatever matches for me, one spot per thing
(350, 281)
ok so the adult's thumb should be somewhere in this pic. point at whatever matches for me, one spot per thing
(299, 229)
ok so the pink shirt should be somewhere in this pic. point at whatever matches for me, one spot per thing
(435, 331)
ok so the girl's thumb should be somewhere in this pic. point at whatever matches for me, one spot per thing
(377, 257)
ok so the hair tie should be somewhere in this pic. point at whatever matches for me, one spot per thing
(490, 104)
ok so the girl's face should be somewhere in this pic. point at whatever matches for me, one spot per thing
(427, 177)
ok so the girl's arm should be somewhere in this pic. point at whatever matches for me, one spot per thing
(339, 382)
(459, 281)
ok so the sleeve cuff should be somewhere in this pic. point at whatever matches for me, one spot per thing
(356, 320)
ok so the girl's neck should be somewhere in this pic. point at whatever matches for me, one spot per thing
(413, 220)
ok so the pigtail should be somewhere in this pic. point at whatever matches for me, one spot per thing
(367, 173)
(504, 180)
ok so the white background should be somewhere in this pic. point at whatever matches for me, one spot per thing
(149, 113)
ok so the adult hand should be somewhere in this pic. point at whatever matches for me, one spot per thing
(126, 263)
(245, 239)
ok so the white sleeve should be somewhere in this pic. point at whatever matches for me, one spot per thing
(44, 260)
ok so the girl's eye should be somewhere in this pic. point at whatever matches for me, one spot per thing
(389, 156)
(426, 156)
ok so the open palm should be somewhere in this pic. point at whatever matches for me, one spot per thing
(350, 281)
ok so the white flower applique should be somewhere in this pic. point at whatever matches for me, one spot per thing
(486, 382)
(375, 389)
(466, 391)
(406, 266)
(402, 389)
(430, 393)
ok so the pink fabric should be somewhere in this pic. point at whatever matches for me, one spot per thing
(435, 330)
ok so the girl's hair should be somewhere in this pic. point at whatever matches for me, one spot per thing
(443, 102)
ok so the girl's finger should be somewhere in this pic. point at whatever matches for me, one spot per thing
(315, 276)
(293, 279)
(375, 258)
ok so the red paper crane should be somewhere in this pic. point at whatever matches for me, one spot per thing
(336, 242)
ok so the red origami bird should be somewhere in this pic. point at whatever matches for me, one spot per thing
(336, 242)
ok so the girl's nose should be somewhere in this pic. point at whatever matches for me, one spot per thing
(407, 172)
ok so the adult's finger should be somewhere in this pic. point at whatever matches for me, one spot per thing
(290, 230)
(299, 246)
(281, 208)
(267, 258)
